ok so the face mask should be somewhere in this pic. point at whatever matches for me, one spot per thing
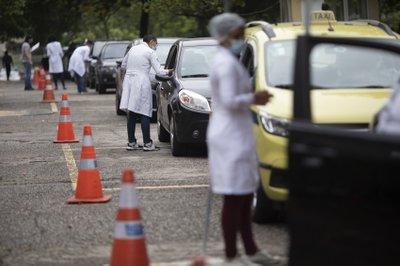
(236, 46)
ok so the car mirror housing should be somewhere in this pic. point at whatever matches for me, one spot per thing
(119, 62)
(163, 77)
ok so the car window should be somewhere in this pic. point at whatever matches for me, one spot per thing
(116, 50)
(196, 60)
(97, 48)
(332, 66)
(162, 52)
(248, 59)
(171, 59)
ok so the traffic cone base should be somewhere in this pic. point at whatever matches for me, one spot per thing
(48, 96)
(65, 133)
(88, 188)
(126, 247)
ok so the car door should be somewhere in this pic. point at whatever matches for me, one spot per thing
(344, 185)
(166, 88)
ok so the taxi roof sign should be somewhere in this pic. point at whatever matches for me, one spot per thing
(322, 16)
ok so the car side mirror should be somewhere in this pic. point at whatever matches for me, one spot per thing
(163, 77)
(119, 63)
(95, 57)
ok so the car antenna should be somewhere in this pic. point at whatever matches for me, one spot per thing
(325, 7)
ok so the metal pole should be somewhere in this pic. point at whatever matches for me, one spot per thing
(307, 13)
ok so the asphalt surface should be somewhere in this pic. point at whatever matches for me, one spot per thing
(38, 227)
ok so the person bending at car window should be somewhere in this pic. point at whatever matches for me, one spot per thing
(231, 145)
(77, 67)
(136, 89)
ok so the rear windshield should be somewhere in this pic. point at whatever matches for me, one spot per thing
(115, 50)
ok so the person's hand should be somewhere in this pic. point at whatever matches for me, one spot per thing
(262, 97)
(170, 71)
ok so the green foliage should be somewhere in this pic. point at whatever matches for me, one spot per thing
(390, 13)
(11, 18)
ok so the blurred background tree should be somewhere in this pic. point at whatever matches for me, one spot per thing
(75, 20)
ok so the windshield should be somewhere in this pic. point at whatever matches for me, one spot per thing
(196, 60)
(97, 48)
(162, 52)
(333, 66)
(116, 50)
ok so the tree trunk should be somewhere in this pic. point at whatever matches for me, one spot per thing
(144, 21)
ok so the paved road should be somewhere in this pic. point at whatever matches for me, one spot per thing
(37, 176)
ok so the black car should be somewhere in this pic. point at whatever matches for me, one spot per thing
(94, 53)
(164, 44)
(184, 98)
(105, 67)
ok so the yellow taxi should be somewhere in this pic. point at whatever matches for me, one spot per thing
(349, 88)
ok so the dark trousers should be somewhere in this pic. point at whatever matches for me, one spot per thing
(28, 69)
(236, 217)
(131, 126)
(8, 71)
(80, 82)
(57, 77)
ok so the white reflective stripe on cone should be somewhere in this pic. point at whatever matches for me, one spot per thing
(87, 140)
(65, 118)
(48, 77)
(127, 197)
(64, 104)
(88, 164)
(128, 230)
(48, 88)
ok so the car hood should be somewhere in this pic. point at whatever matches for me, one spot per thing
(198, 85)
(111, 62)
(331, 106)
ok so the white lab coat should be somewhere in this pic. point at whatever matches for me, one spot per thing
(231, 146)
(389, 116)
(77, 60)
(55, 54)
(136, 87)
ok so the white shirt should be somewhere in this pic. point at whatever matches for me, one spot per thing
(231, 146)
(55, 54)
(77, 60)
(389, 116)
(136, 88)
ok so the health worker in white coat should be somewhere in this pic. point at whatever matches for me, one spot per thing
(231, 145)
(77, 64)
(55, 54)
(137, 97)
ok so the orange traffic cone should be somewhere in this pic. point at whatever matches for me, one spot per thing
(42, 79)
(88, 187)
(48, 94)
(65, 129)
(199, 261)
(129, 247)
(36, 76)
(48, 79)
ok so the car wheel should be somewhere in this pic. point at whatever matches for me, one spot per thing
(117, 103)
(265, 210)
(177, 149)
(101, 89)
(163, 135)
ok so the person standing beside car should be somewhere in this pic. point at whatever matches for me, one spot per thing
(231, 146)
(26, 58)
(136, 96)
(7, 63)
(77, 66)
(55, 54)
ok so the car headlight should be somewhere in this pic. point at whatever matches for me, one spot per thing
(194, 101)
(273, 125)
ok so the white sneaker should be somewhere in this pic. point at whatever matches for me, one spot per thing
(263, 258)
(132, 146)
(149, 146)
(238, 261)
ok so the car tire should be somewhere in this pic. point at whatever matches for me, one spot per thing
(117, 103)
(265, 210)
(163, 135)
(101, 89)
(177, 148)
